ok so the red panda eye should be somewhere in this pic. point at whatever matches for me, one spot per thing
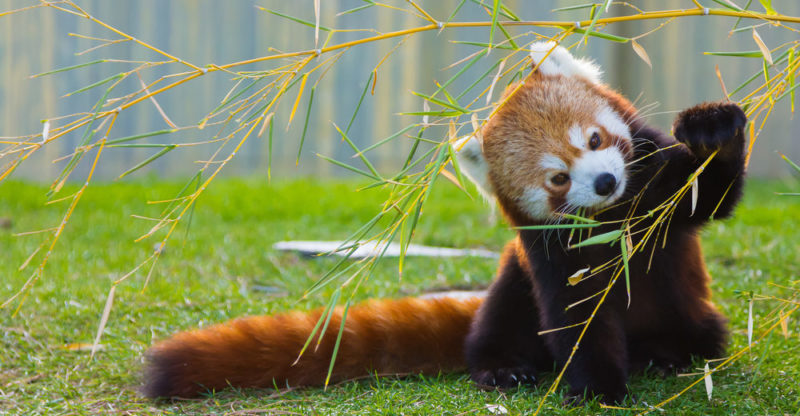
(560, 179)
(594, 141)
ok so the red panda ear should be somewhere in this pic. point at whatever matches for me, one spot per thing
(473, 163)
(556, 60)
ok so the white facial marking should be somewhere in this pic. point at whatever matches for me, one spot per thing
(552, 162)
(534, 202)
(613, 123)
(561, 62)
(587, 168)
(473, 164)
(576, 137)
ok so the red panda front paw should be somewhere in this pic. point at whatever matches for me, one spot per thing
(707, 127)
(504, 378)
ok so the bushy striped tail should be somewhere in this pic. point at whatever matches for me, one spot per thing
(385, 337)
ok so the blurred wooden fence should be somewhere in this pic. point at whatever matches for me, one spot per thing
(212, 31)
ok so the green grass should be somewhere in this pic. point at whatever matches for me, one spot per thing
(226, 268)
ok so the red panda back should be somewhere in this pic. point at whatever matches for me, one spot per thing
(386, 337)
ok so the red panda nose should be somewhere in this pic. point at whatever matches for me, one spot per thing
(605, 184)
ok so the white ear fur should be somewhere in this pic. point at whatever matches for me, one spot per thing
(561, 62)
(473, 164)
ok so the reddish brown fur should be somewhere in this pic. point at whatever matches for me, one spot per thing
(386, 337)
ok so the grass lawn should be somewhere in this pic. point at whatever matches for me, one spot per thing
(225, 268)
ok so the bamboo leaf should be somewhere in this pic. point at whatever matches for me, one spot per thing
(791, 79)
(594, 20)
(358, 152)
(624, 248)
(708, 382)
(576, 7)
(305, 124)
(576, 277)
(297, 100)
(495, 9)
(331, 309)
(139, 136)
(147, 161)
(483, 44)
(601, 35)
(598, 239)
(728, 4)
(103, 320)
(360, 100)
(641, 52)
(578, 218)
(68, 68)
(789, 161)
(762, 47)
(443, 103)
(768, 7)
(95, 84)
(338, 343)
(742, 54)
(295, 19)
(350, 168)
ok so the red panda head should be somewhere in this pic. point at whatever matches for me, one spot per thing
(560, 141)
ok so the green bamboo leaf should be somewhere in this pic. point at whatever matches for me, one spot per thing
(305, 124)
(68, 68)
(624, 247)
(322, 318)
(356, 9)
(442, 103)
(599, 239)
(576, 7)
(331, 309)
(729, 5)
(388, 139)
(338, 342)
(579, 218)
(295, 19)
(350, 168)
(358, 152)
(96, 84)
(454, 161)
(141, 145)
(740, 54)
(768, 6)
(595, 15)
(602, 35)
(434, 113)
(146, 162)
(140, 136)
(453, 14)
(360, 100)
(789, 161)
(483, 45)
(495, 9)
(479, 79)
(505, 11)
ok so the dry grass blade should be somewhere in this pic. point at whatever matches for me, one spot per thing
(641, 52)
(762, 47)
(103, 320)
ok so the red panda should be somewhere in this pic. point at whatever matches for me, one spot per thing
(561, 142)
